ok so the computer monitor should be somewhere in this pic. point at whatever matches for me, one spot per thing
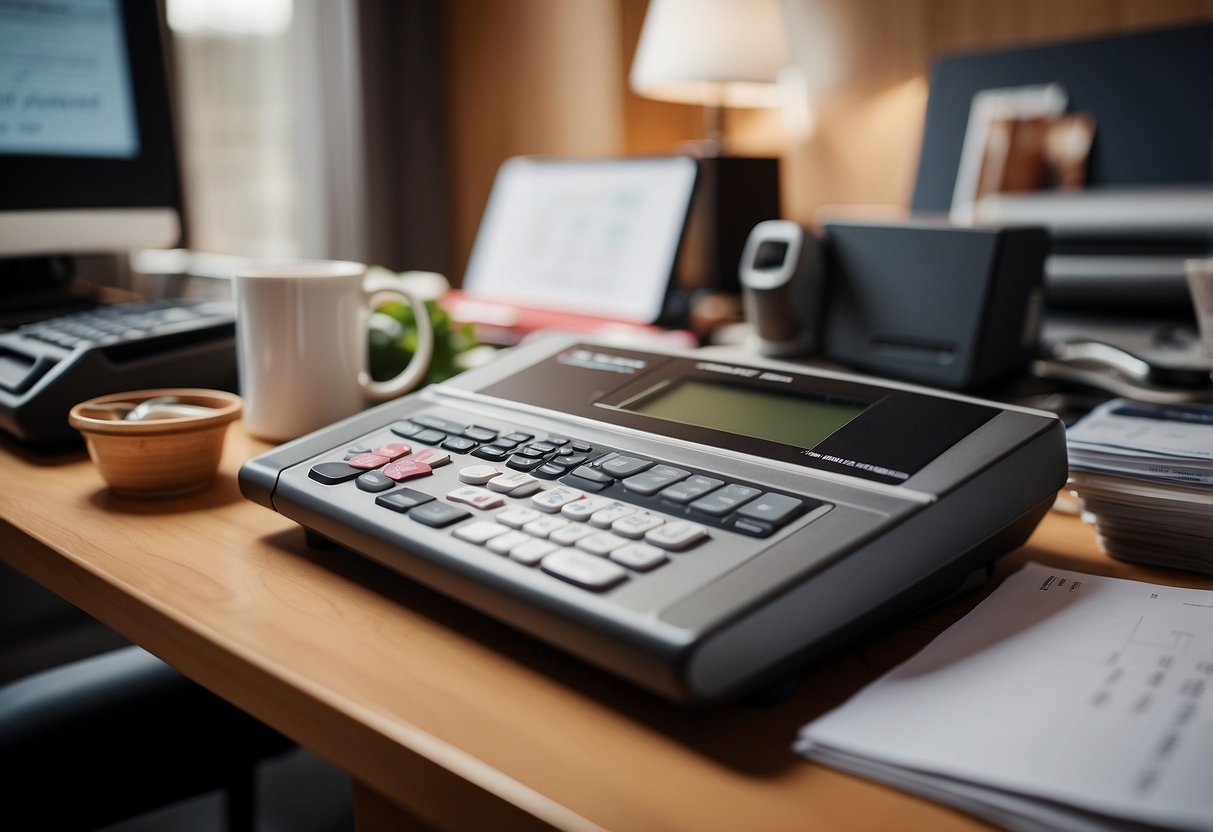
(87, 158)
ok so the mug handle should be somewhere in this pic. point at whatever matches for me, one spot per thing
(376, 290)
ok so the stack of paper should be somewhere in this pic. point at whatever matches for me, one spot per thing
(1143, 474)
(1063, 701)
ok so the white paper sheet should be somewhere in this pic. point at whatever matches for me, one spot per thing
(1093, 694)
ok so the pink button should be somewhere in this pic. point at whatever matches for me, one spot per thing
(393, 450)
(407, 469)
(368, 461)
(433, 457)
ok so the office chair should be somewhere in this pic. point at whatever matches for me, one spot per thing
(113, 736)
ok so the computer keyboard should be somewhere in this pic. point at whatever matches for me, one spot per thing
(48, 366)
(126, 322)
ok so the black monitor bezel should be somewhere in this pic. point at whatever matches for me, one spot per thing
(150, 179)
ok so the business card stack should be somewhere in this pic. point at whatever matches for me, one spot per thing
(1143, 474)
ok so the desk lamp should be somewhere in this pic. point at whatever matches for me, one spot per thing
(718, 54)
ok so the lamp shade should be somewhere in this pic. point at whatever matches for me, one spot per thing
(715, 52)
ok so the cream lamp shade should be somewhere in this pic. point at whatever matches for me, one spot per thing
(719, 53)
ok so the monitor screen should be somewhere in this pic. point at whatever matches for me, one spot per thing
(86, 142)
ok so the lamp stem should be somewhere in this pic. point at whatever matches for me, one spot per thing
(713, 128)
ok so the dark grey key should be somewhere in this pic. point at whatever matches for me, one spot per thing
(480, 433)
(459, 444)
(438, 514)
(332, 473)
(585, 472)
(444, 425)
(405, 429)
(492, 452)
(524, 463)
(374, 481)
(403, 499)
(430, 436)
(772, 508)
(550, 471)
(618, 465)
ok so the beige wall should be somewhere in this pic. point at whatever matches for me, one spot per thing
(550, 76)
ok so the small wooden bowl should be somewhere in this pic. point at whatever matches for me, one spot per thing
(156, 457)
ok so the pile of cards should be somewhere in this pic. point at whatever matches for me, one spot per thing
(1143, 474)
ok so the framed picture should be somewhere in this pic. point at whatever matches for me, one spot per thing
(1004, 144)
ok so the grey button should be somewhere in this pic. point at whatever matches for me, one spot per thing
(691, 489)
(618, 465)
(771, 508)
(653, 480)
(725, 500)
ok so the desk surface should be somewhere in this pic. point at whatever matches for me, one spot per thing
(434, 707)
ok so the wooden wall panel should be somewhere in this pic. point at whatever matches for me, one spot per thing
(550, 76)
(870, 114)
(526, 77)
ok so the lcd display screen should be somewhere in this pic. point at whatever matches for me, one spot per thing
(774, 417)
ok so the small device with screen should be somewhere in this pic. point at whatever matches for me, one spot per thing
(696, 525)
(783, 280)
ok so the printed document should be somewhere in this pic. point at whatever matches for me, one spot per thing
(1063, 700)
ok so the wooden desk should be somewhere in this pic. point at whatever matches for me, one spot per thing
(439, 714)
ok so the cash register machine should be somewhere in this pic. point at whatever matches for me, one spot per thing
(698, 526)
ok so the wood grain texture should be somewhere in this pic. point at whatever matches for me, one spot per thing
(550, 76)
(435, 708)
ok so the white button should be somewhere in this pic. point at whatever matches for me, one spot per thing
(556, 498)
(516, 516)
(533, 552)
(603, 518)
(503, 544)
(478, 474)
(544, 526)
(583, 570)
(480, 532)
(476, 497)
(571, 533)
(601, 543)
(514, 483)
(635, 525)
(639, 556)
(582, 509)
(676, 535)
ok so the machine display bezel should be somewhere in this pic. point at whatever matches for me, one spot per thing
(892, 434)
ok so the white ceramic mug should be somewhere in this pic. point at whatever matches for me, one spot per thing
(301, 332)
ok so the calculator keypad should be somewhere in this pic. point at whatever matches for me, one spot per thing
(611, 517)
